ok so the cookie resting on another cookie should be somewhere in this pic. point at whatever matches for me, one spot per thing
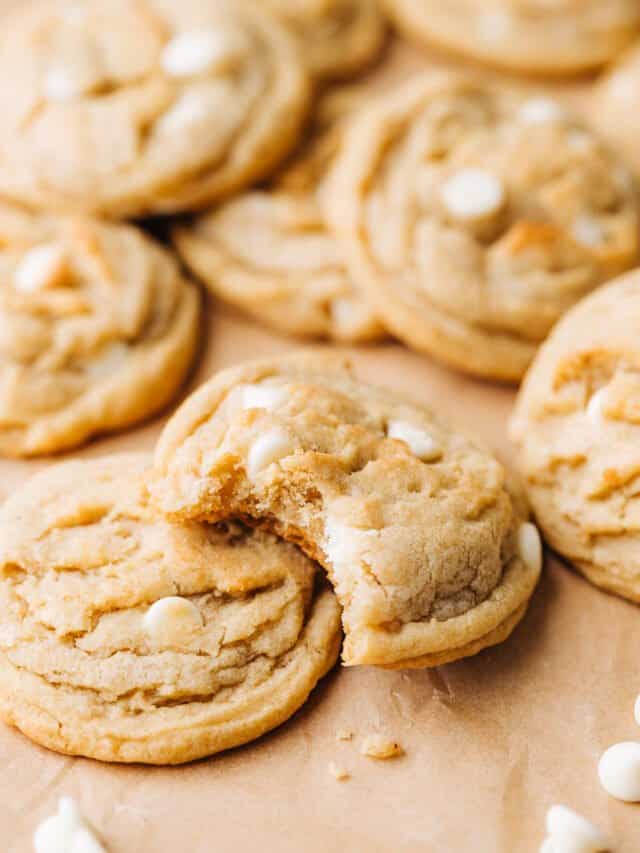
(269, 251)
(535, 36)
(127, 638)
(577, 427)
(337, 37)
(98, 330)
(429, 552)
(474, 217)
(144, 106)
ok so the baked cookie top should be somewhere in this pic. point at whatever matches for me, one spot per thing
(414, 523)
(139, 106)
(337, 37)
(270, 252)
(535, 36)
(614, 107)
(127, 638)
(97, 330)
(577, 427)
(474, 216)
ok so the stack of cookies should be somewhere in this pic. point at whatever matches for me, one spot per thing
(162, 609)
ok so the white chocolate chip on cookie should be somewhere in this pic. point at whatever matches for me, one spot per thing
(268, 448)
(66, 831)
(541, 110)
(199, 51)
(472, 193)
(193, 106)
(530, 546)
(569, 832)
(587, 231)
(172, 620)
(41, 267)
(594, 407)
(263, 397)
(619, 771)
(59, 84)
(419, 442)
(493, 26)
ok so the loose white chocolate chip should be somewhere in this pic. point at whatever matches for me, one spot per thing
(66, 832)
(419, 442)
(59, 84)
(338, 772)
(172, 620)
(344, 734)
(571, 833)
(594, 407)
(541, 110)
(267, 397)
(619, 771)
(41, 267)
(530, 546)
(380, 747)
(199, 51)
(472, 193)
(587, 231)
(268, 448)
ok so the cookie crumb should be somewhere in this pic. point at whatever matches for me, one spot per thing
(380, 747)
(344, 734)
(338, 772)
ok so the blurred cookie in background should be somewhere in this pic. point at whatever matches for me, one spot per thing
(614, 107)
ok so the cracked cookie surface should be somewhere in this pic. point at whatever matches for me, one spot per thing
(97, 330)
(144, 106)
(270, 252)
(415, 525)
(577, 427)
(564, 36)
(128, 638)
(474, 217)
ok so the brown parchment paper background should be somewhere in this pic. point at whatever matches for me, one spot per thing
(491, 742)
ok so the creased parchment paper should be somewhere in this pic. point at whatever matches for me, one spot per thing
(491, 742)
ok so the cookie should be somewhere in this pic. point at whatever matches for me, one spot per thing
(614, 107)
(98, 330)
(128, 638)
(270, 253)
(577, 427)
(428, 550)
(337, 37)
(534, 36)
(129, 107)
(474, 217)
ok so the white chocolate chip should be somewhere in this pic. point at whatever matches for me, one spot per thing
(472, 193)
(619, 771)
(191, 107)
(493, 26)
(338, 772)
(541, 110)
(267, 397)
(172, 620)
(571, 833)
(200, 51)
(380, 747)
(66, 832)
(268, 448)
(594, 407)
(59, 84)
(41, 267)
(110, 359)
(587, 231)
(530, 546)
(419, 442)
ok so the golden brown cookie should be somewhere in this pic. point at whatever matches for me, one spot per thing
(98, 330)
(337, 37)
(428, 549)
(127, 638)
(474, 217)
(614, 107)
(270, 253)
(577, 427)
(144, 106)
(535, 36)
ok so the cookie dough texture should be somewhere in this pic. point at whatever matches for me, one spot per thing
(474, 217)
(419, 536)
(97, 330)
(270, 252)
(82, 559)
(561, 37)
(144, 106)
(336, 37)
(577, 427)
(614, 107)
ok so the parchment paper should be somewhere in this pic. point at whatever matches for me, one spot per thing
(491, 742)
